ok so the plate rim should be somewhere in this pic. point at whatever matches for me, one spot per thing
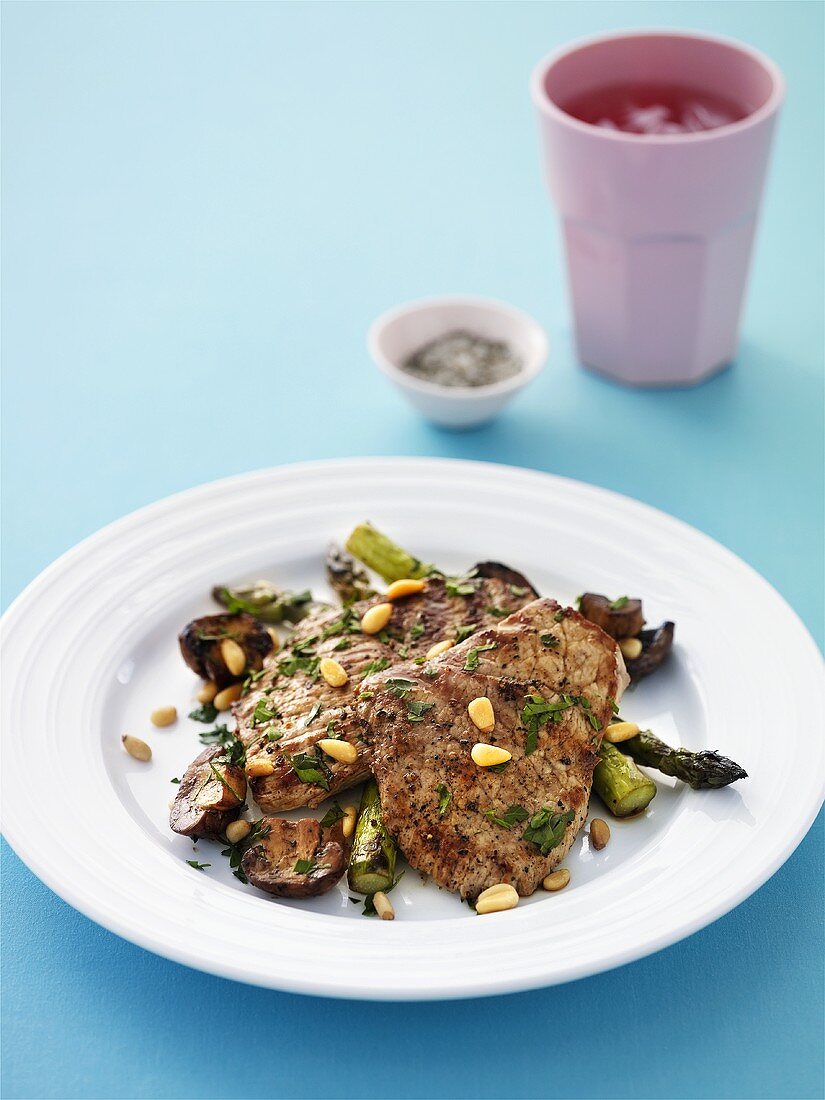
(493, 984)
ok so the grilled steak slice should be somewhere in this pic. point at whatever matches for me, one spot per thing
(551, 677)
(210, 795)
(290, 707)
(295, 859)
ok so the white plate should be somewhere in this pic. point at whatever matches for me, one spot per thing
(90, 649)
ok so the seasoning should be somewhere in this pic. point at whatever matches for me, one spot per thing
(463, 359)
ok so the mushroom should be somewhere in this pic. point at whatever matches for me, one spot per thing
(656, 645)
(200, 645)
(295, 859)
(620, 618)
(210, 795)
(346, 578)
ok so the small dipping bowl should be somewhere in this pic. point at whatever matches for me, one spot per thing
(399, 333)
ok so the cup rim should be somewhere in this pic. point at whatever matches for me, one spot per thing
(546, 105)
(530, 368)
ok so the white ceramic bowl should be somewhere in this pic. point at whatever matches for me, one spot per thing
(400, 332)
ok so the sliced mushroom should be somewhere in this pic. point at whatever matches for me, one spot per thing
(296, 859)
(656, 645)
(346, 578)
(200, 645)
(210, 795)
(620, 618)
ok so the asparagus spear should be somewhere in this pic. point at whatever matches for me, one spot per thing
(265, 601)
(372, 859)
(623, 788)
(377, 552)
(705, 769)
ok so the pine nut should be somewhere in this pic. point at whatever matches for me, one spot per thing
(237, 830)
(383, 906)
(617, 732)
(163, 716)
(495, 899)
(399, 589)
(276, 638)
(376, 618)
(487, 756)
(348, 821)
(599, 833)
(438, 649)
(481, 715)
(224, 699)
(334, 674)
(136, 748)
(342, 751)
(556, 880)
(208, 692)
(233, 656)
(631, 648)
(259, 766)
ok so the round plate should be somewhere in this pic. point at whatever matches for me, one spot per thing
(90, 649)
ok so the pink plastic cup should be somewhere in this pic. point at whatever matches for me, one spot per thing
(658, 228)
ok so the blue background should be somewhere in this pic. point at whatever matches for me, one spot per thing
(205, 206)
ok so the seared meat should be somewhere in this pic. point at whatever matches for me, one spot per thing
(552, 678)
(290, 707)
(200, 645)
(295, 859)
(210, 795)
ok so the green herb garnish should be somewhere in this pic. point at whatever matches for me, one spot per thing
(264, 712)
(304, 866)
(375, 666)
(559, 616)
(312, 769)
(417, 710)
(471, 664)
(509, 818)
(234, 750)
(416, 630)
(198, 866)
(207, 713)
(546, 829)
(399, 687)
(464, 632)
(549, 640)
(617, 605)
(444, 798)
(333, 815)
(235, 852)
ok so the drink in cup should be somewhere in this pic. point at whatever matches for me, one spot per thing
(655, 148)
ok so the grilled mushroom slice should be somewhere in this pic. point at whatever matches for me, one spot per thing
(210, 795)
(296, 859)
(620, 618)
(656, 645)
(346, 578)
(200, 646)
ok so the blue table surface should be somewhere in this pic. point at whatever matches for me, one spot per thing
(205, 206)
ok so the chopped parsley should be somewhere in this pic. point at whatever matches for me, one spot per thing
(234, 750)
(550, 641)
(416, 630)
(235, 852)
(464, 632)
(313, 714)
(219, 637)
(198, 866)
(333, 815)
(461, 586)
(304, 866)
(175, 780)
(509, 818)
(342, 643)
(302, 659)
(498, 612)
(546, 828)
(264, 712)
(312, 769)
(617, 605)
(445, 797)
(519, 590)
(399, 686)
(375, 666)
(559, 616)
(417, 710)
(349, 623)
(207, 713)
(471, 664)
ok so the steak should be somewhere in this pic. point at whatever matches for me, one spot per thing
(552, 678)
(289, 707)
